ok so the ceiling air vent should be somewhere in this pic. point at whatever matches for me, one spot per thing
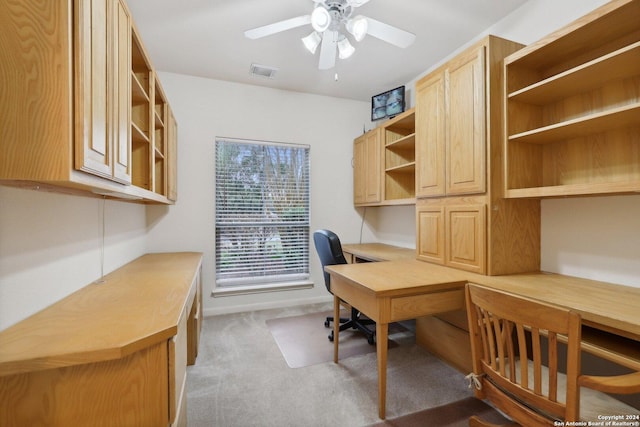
(262, 71)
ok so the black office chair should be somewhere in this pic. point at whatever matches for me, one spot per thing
(330, 251)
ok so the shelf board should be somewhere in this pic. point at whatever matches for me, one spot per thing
(402, 121)
(158, 120)
(599, 28)
(587, 188)
(398, 202)
(622, 63)
(158, 154)
(138, 135)
(405, 143)
(403, 168)
(138, 94)
(620, 117)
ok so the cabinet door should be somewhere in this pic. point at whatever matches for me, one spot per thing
(430, 224)
(359, 172)
(121, 93)
(374, 167)
(430, 137)
(172, 156)
(367, 168)
(102, 101)
(178, 373)
(465, 237)
(466, 124)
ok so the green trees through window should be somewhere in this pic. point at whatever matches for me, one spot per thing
(262, 212)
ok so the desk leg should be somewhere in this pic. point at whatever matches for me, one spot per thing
(336, 327)
(382, 332)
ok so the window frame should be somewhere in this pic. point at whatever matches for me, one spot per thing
(273, 282)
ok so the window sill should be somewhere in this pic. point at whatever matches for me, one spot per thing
(257, 289)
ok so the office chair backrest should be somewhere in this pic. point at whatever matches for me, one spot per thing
(507, 334)
(329, 250)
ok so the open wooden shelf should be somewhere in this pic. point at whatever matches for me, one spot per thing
(400, 157)
(620, 64)
(614, 118)
(572, 110)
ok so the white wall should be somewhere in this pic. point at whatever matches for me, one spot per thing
(50, 246)
(206, 109)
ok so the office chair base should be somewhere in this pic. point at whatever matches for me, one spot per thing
(327, 323)
(371, 338)
(356, 323)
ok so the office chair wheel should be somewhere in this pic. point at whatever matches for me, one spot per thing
(371, 340)
(330, 336)
(327, 324)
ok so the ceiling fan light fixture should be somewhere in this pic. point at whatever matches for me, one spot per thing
(358, 27)
(312, 41)
(345, 49)
(320, 19)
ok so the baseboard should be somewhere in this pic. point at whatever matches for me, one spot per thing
(215, 311)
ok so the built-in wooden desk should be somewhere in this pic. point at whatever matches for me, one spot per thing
(376, 252)
(113, 353)
(399, 290)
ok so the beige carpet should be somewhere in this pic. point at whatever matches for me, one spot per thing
(241, 379)
(455, 414)
(303, 339)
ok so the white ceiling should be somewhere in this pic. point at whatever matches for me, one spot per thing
(206, 38)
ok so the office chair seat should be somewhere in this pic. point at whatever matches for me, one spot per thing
(330, 252)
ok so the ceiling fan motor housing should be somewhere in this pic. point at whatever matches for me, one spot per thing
(339, 10)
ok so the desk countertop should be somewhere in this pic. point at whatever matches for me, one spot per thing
(608, 306)
(378, 251)
(138, 305)
(386, 278)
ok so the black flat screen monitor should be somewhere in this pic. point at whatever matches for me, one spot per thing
(387, 104)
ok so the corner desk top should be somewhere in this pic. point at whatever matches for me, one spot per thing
(138, 305)
(378, 251)
(606, 306)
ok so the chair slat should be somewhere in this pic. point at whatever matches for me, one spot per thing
(553, 365)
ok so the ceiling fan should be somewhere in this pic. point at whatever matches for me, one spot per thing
(327, 19)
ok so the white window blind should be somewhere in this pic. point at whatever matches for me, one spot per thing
(262, 213)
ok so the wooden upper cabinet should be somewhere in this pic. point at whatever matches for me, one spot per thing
(384, 161)
(451, 128)
(367, 164)
(78, 113)
(102, 95)
(462, 219)
(430, 136)
(465, 118)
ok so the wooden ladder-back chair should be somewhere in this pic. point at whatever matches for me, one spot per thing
(507, 340)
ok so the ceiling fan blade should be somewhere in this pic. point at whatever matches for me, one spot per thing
(276, 27)
(390, 34)
(328, 50)
(356, 3)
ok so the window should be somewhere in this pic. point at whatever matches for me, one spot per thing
(262, 215)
